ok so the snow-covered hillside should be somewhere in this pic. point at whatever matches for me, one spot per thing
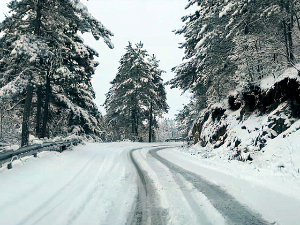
(260, 124)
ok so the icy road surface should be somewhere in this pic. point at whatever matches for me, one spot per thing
(134, 183)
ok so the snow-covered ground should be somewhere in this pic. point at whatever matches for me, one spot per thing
(94, 184)
(272, 192)
(97, 183)
(176, 196)
(276, 166)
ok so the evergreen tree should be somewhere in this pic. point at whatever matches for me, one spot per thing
(45, 34)
(188, 115)
(137, 95)
(266, 38)
(169, 129)
(229, 42)
(158, 104)
(207, 70)
(233, 44)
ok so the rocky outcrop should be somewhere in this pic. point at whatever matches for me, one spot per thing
(249, 119)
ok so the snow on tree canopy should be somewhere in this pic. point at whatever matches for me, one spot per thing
(226, 9)
(234, 44)
(136, 93)
(31, 46)
(13, 89)
(90, 24)
(41, 45)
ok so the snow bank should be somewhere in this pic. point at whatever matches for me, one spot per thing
(270, 192)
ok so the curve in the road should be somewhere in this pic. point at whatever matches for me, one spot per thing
(147, 210)
(230, 208)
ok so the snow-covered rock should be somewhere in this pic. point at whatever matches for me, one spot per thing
(245, 123)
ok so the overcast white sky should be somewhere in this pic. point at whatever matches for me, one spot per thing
(149, 21)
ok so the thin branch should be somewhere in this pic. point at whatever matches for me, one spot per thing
(15, 104)
(297, 19)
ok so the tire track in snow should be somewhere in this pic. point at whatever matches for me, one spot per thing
(231, 209)
(185, 191)
(54, 196)
(147, 210)
(110, 164)
(86, 193)
(90, 194)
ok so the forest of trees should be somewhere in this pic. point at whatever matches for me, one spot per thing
(231, 45)
(137, 97)
(46, 69)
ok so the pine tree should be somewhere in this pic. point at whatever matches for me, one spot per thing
(266, 39)
(158, 104)
(189, 115)
(231, 42)
(169, 129)
(63, 62)
(234, 44)
(137, 95)
(207, 69)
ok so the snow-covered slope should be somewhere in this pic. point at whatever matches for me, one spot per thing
(260, 124)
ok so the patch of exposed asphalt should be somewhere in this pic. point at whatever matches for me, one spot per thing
(233, 211)
(146, 209)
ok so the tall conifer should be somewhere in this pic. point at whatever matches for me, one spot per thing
(42, 47)
(137, 95)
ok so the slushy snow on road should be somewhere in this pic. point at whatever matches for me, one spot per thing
(140, 183)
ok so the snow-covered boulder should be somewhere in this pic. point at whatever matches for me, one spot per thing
(246, 121)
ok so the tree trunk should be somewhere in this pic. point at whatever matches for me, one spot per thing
(37, 32)
(290, 40)
(137, 123)
(286, 41)
(288, 30)
(26, 115)
(2, 111)
(132, 121)
(134, 118)
(28, 100)
(46, 107)
(38, 112)
(38, 22)
(150, 123)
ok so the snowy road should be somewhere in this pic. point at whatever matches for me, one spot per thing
(190, 195)
(133, 183)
